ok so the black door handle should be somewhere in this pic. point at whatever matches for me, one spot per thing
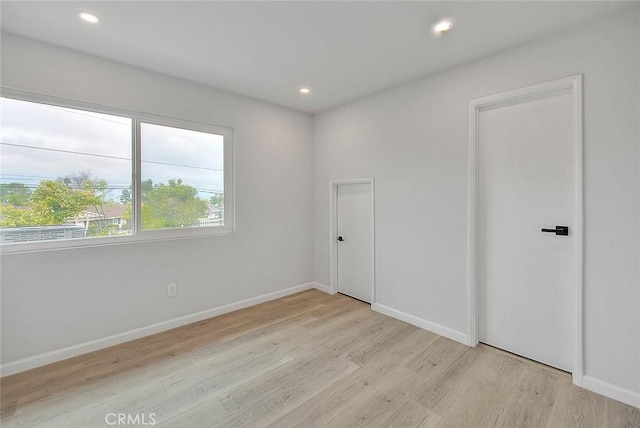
(340, 238)
(559, 230)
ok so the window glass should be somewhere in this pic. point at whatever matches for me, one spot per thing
(182, 178)
(64, 173)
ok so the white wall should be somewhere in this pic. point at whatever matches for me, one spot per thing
(413, 140)
(55, 299)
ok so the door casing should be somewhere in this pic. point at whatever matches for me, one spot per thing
(333, 232)
(572, 85)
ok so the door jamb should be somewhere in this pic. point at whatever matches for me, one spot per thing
(333, 230)
(572, 85)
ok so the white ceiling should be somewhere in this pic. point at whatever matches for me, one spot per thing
(268, 50)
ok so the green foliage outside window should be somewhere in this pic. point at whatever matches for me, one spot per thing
(55, 202)
(171, 205)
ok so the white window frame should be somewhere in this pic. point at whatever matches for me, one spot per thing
(137, 233)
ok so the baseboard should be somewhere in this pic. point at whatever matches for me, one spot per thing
(116, 339)
(422, 323)
(322, 287)
(623, 395)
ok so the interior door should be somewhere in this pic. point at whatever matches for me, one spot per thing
(526, 185)
(355, 246)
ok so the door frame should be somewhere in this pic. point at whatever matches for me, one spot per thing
(567, 85)
(333, 230)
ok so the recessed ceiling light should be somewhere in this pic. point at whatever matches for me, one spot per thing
(443, 26)
(88, 17)
(305, 91)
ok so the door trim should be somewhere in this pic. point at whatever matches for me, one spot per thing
(568, 85)
(333, 225)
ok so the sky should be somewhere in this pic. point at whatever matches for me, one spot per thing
(43, 142)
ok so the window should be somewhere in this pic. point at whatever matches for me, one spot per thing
(67, 174)
(182, 178)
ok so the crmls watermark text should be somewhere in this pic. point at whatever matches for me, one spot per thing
(130, 419)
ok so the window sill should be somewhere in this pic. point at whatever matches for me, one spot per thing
(141, 237)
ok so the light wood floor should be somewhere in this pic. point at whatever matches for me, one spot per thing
(306, 360)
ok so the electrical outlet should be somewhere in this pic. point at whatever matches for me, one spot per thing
(172, 290)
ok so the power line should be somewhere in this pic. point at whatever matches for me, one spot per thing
(45, 177)
(24, 146)
(123, 187)
(113, 184)
(183, 166)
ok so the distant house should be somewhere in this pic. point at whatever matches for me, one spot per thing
(109, 215)
(92, 221)
(215, 216)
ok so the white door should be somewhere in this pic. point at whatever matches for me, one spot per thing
(354, 240)
(525, 163)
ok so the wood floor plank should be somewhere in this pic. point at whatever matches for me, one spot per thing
(321, 328)
(335, 308)
(431, 421)
(288, 380)
(620, 415)
(275, 335)
(306, 360)
(131, 402)
(343, 341)
(73, 420)
(433, 358)
(324, 406)
(87, 410)
(405, 348)
(386, 338)
(202, 415)
(319, 409)
(388, 404)
(531, 401)
(577, 407)
(77, 398)
(282, 389)
(40, 383)
(322, 334)
(437, 374)
(382, 408)
(488, 394)
(8, 408)
(441, 390)
(225, 373)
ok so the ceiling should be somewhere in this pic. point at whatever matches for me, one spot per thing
(269, 50)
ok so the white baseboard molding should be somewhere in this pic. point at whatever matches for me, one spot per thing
(116, 339)
(610, 390)
(322, 287)
(422, 323)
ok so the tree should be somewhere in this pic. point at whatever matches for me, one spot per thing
(217, 200)
(16, 194)
(84, 181)
(52, 202)
(55, 202)
(172, 205)
(146, 186)
(125, 197)
(93, 192)
(13, 217)
(77, 180)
